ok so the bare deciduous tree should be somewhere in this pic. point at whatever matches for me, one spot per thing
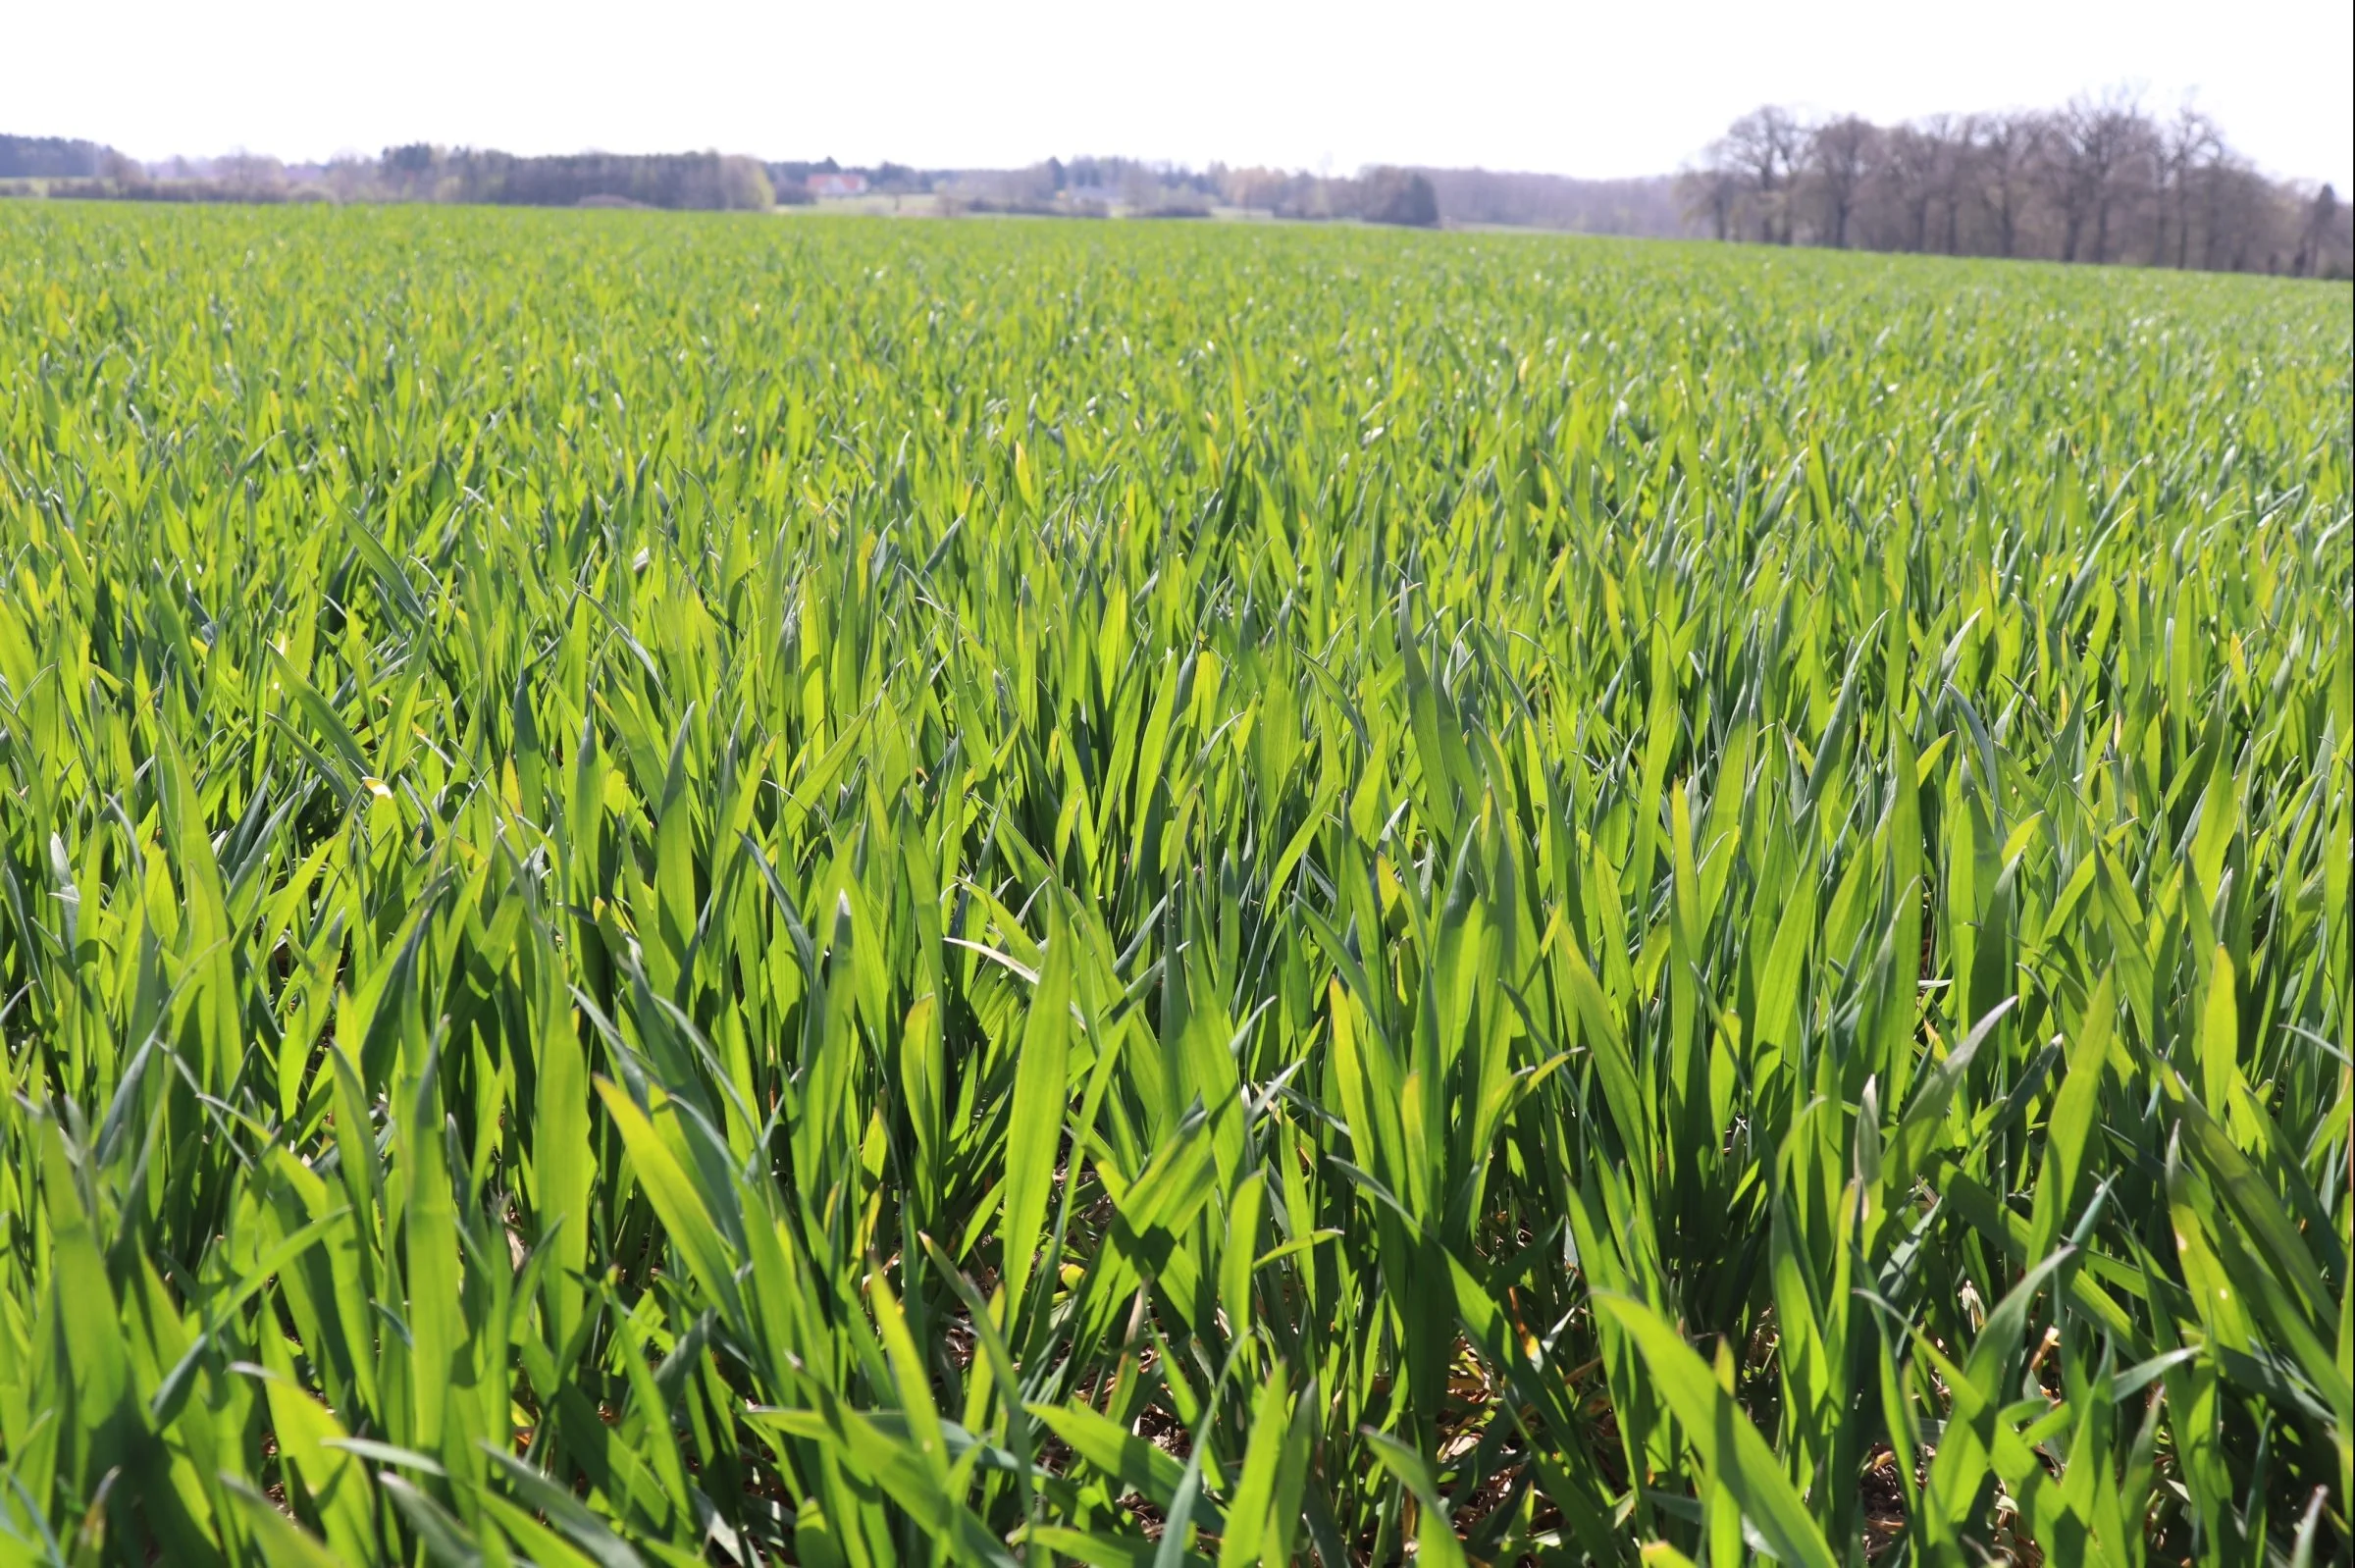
(1909, 179)
(1953, 140)
(1840, 157)
(1711, 191)
(2005, 165)
(1765, 144)
(2323, 250)
(2186, 149)
(2095, 157)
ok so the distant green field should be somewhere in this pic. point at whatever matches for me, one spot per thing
(691, 889)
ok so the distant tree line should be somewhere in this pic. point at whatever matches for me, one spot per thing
(57, 157)
(416, 173)
(1080, 187)
(1381, 194)
(1461, 196)
(707, 180)
(2099, 179)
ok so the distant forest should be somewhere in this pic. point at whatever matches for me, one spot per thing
(2099, 179)
(417, 173)
(56, 158)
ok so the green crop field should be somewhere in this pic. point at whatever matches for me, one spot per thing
(712, 889)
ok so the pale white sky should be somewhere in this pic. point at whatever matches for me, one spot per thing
(1593, 87)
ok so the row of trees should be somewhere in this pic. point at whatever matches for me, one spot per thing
(416, 173)
(1375, 195)
(683, 180)
(2099, 179)
(58, 158)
